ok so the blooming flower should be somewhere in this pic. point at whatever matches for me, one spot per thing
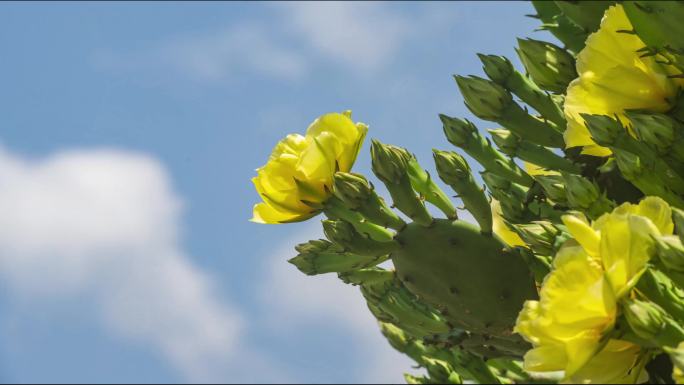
(579, 298)
(298, 177)
(614, 78)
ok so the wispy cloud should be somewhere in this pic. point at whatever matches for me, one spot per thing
(219, 55)
(359, 35)
(292, 39)
(104, 225)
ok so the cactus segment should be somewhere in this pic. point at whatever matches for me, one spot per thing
(372, 276)
(455, 171)
(463, 134)
(514, 146)
(422, 182)
(320, 257)
(390, 164)
(359, 195)
(489, 101)
(501, 71)
(473, 279)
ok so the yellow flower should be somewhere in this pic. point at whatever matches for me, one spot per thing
(578, 299)
(575, 308)
(298, 177)
(622, 241)
(510, 237)
(619, 362)
(614, 78)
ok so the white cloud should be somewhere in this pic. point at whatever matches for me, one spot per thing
(104, 224)
(298, 302)
(292, 40)
(362, 35)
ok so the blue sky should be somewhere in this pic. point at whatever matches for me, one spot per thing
(128, 136)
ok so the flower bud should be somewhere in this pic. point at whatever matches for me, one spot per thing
(650, 322)
(455, 171)
(458, 131)
(389, 162)
(484, 98)
(497, 68)
(585, 194)
(550, 67)
(321, 256)
(358, 195)
(345, 235)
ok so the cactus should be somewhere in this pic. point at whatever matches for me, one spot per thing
(575, 269)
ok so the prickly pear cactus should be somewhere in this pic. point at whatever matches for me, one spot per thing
(574, 271)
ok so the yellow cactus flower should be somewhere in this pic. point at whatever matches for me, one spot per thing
(622, 241)
(614, 78)
(576, 306)
(298, 177)
(510, 237)
(619, 362)
(578, 300)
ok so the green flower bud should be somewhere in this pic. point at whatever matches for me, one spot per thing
(497, 68)
(345, 235)
(550, 67)
(389, 162)
(604, 130)
(510, 196)
(553, 186)
(663, 291)
(657, 130)
(358, 194)
(661, 132)
(321, 256)
(455, 171)
(671, 253)
(464, 134)
(541, 236)
(585, 195)
(457, 131)
(507, 142)
(650, 322)
(514, 146)
(484, 98)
